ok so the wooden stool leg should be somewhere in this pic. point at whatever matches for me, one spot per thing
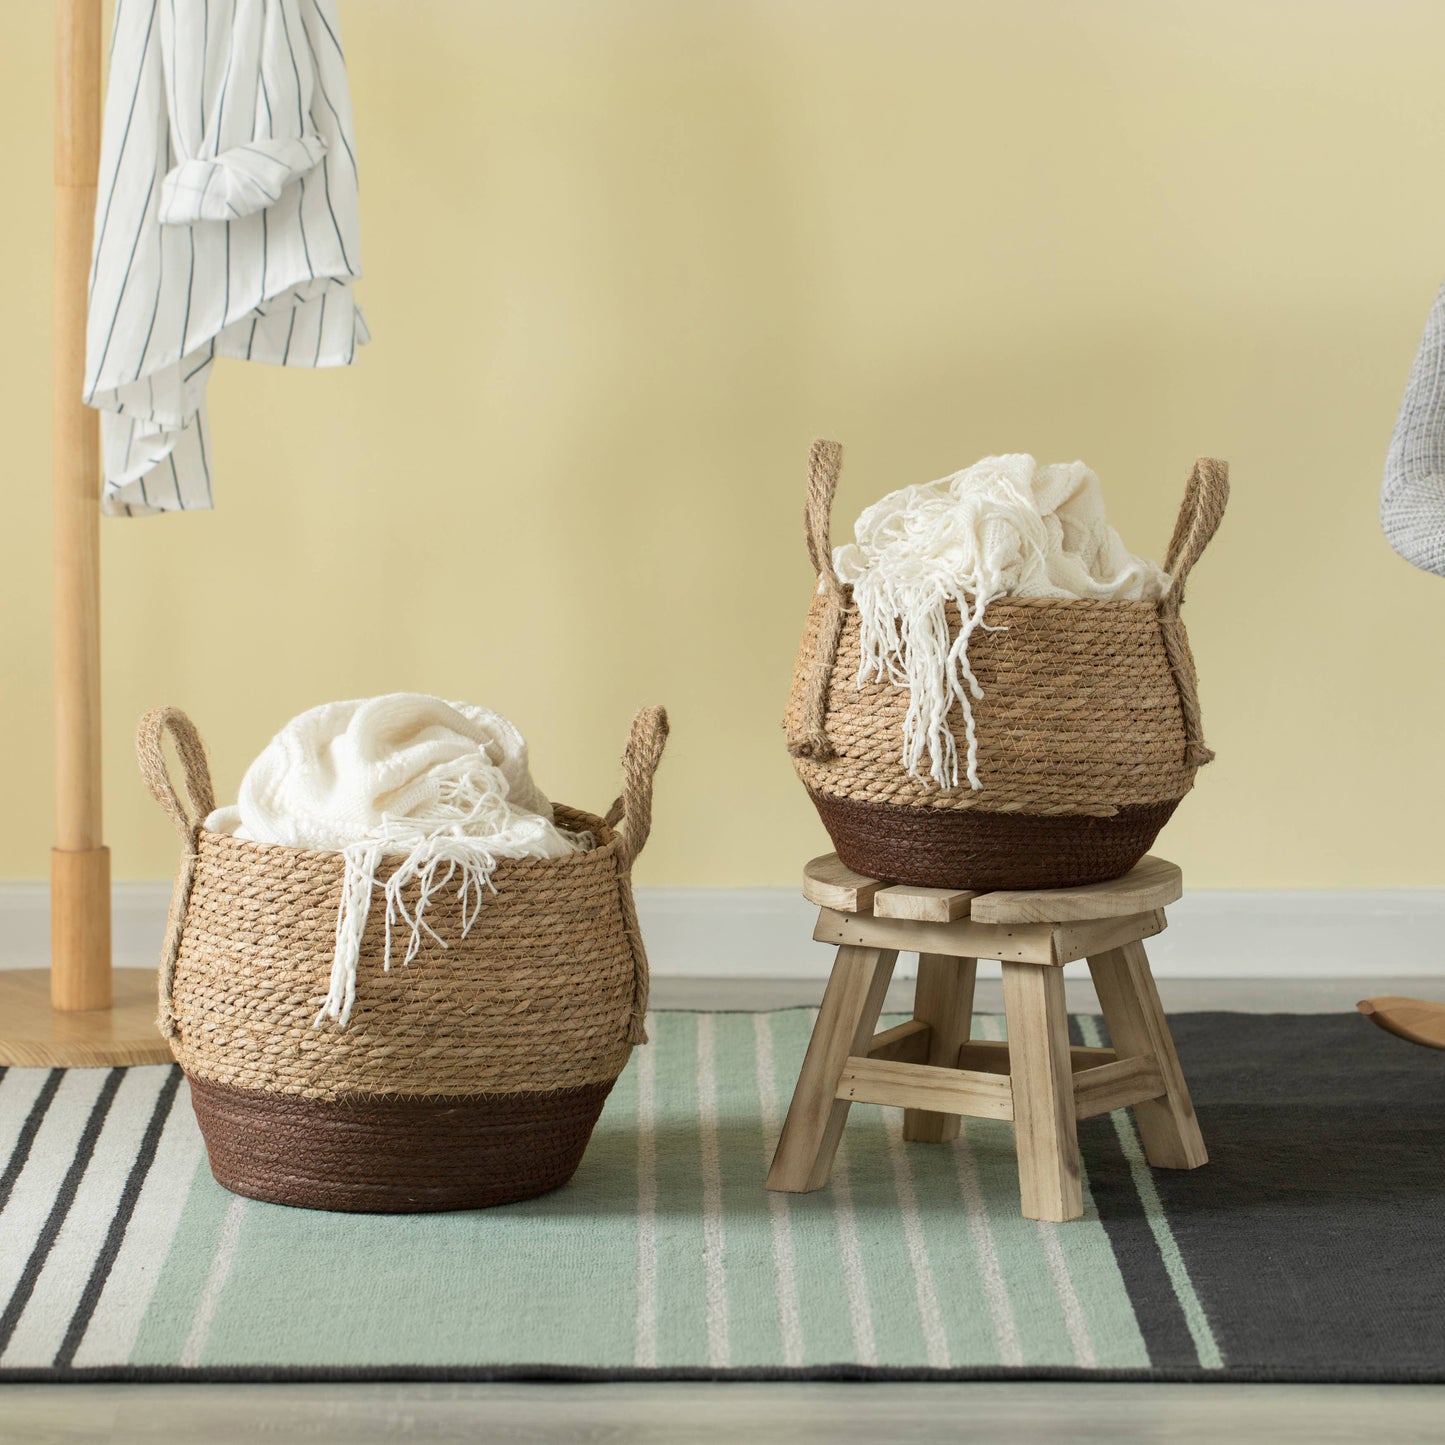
(944, 1001)
(1045, 1129)
(849, 1013)
(1130, 1002)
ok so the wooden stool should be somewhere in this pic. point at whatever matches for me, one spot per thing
(1036, 1079)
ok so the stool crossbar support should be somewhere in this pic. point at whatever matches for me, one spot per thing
(925, 1086)
(906, 1042)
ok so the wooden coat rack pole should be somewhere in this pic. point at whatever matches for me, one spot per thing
(82, 1013)
(79, 862)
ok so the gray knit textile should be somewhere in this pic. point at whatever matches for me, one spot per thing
(1412, 500)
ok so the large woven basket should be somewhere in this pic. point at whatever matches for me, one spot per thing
(1088, 731)
(472, 1076)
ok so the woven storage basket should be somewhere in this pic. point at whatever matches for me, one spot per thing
(1088, 732)
(470, 1077)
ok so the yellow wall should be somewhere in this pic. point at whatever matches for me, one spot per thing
(624, 258)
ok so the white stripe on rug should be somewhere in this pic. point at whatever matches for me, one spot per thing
(1205, 1345)
(935, 1341)
(785, 1278)
(713, 1242)
(38, 1183)
(67, 1266)
(645, 1349)
(18, 1092)
(1000, 1309)
(194, 1349)
(115, 1326)
(855, 1279)
(1074, 1321)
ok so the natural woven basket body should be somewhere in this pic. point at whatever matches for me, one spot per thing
(471, 1076)
(1088, 730)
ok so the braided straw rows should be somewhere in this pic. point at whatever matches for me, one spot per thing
(394, 1153)
(1080, 714)
(546, 992)
(1089, 706)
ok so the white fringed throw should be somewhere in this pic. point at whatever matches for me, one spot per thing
(442, 786)
(1004, 527)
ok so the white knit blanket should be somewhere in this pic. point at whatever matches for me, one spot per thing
(443, 786)
(1004, 527)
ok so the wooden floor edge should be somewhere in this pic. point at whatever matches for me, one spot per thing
(34, 1036)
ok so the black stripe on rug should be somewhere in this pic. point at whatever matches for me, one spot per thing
(1315, 1235)
(49, 1231)
(28, 1130)
(1136, 1247)
(586, 1374)
(120, 1221)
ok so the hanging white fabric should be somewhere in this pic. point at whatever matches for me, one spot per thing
(1004, 527)
(226, 225)
(440, 789)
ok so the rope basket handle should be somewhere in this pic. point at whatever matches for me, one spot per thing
(156, 772)
(1205, 496)
(807, 734)
(825, 463)
(631, 814)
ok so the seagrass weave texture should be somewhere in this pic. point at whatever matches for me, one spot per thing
(1090, 711)
(484, 1062)
(1080, 714)
(538, 995)
(546, 991)
(395, 1154)
(935, 848)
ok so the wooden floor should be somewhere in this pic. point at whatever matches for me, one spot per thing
(982, 1414)
(676, 1414)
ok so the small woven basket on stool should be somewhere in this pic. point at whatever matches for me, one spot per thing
(1088, 730)
(472, 1076)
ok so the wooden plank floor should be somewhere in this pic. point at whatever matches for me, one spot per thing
(677, 1414)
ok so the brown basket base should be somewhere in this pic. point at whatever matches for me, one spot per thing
(394, 1154)
(968, 848)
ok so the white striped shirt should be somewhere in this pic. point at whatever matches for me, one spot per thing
(225, 225)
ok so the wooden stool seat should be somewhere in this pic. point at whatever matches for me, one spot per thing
(933, 1070)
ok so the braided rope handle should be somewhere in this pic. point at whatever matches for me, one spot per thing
(157, 775)
(156, 772)
(825, 463)
(806, 734)
(1205, 496)
(631, 814)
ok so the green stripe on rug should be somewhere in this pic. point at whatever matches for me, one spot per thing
(665, 1250)
(182, 1275)
(825, 1331)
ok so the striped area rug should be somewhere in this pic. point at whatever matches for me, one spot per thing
(1304, 1251)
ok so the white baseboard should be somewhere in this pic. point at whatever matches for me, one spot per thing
(767, 932)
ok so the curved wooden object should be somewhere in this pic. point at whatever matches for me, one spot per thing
(1415, 1019)
(34, 1035)
(1152, 884)
(832, 884)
